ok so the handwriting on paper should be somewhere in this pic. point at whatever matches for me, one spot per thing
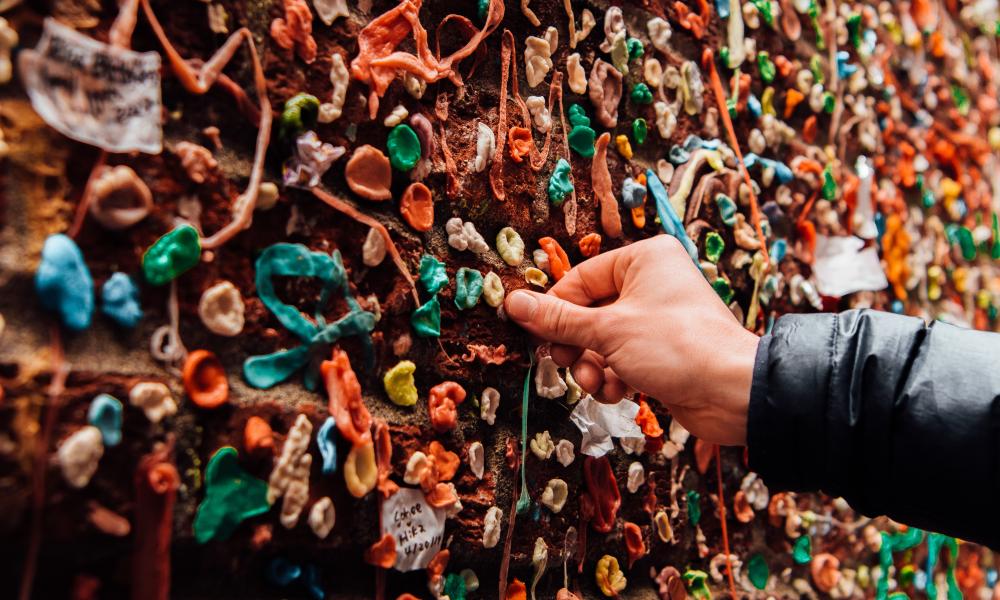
(417, 527)
(93, 92)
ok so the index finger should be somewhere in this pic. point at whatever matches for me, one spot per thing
(594, 279)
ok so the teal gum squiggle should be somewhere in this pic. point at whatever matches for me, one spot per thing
(295, 260)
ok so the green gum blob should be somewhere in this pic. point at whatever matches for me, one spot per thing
(758, 571)
(468, 288)
(641, 94)
(639, 131)
(723, 289)
(581, 140)
(995, 248)
(854, 29)
(697, 584)
(693, 506)
(176, 252)
(426, 320)
(966, 243)
(802, 550)
(560, 183)
(432, 274)
(764, 8)
(766, 67)
(454, 587)
(404, 147)
(714, 245)
(829, 184)
(299, 114)
(231, 496)
(635, 49)
(578, 116)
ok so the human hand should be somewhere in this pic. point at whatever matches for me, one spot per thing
(644, 317)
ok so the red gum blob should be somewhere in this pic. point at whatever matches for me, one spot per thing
(378, 62)
(295, 30)
(446, 462)
(603, 491)
(382, 553)
(647, 421)
(443, 405)
(696, 24)
(703, 452)
(257, 434)
(600, 179)
(345, 404)
(369, 174)
(437, 565)
(383, 458)
(520, 142)
(516, 590)
(441, 495)
(633, 543)
(417, 206)
(205, 380)
(558, 261)
(590, 244)
(156, 483)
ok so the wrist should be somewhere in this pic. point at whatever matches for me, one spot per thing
(734, 380)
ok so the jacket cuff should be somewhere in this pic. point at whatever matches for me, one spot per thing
(785, 422)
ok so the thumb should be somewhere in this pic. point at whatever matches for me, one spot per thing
(553, 319)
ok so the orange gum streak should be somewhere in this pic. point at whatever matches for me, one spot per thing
(508, 72)
(708, 61)
(60, 370)
(349, 210)
(200, 81)
(722, 519)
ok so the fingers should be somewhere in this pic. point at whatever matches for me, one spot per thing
(593, 375)
(588, 372)
(565, 356)
(555, 320)
(613, 389)
(594, 279)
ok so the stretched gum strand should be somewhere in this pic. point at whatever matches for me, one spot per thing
(198, 82)
(508, 71)
(348, 209)
(708, 61)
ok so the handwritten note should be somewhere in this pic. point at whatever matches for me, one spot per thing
(417, 526)
(94, 93)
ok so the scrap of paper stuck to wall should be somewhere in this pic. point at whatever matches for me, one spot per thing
(417, 527)
(93, 92)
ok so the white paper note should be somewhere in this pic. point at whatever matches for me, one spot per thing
(417, 526)
(94, 93)
(841, 267)
(600, 422)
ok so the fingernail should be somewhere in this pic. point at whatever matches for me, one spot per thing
(521, 306)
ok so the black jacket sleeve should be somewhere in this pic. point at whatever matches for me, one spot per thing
(897, 417)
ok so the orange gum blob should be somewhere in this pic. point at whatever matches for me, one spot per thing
(345, 404)
(205, 380)
(257, 434)
(558, 261)
(443, 402)
(417, 207)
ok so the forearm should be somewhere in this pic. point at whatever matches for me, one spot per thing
(895, 416)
